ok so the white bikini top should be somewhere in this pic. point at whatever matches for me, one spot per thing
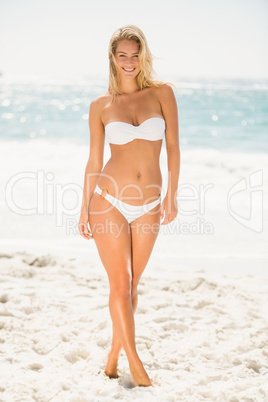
(119, 133)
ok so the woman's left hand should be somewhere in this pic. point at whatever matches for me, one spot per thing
(169, 208)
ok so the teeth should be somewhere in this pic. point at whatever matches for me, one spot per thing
(129, 69)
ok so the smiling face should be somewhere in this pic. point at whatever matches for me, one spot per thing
(127, 58)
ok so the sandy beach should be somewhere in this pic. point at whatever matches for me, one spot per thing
(201, 335)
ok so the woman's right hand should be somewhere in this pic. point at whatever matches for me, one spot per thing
(83, 227)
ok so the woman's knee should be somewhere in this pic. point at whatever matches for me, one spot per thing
(134, 283)
(121, 288)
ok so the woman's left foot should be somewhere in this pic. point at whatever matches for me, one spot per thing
(140, 377)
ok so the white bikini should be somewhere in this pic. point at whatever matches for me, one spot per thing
(119, 133)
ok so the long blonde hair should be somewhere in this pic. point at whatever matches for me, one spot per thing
(145, 78)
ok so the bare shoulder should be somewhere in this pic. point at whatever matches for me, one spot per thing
(100, 102)
(169, 107)
(166, 98)
(165, 92)
(98, 105)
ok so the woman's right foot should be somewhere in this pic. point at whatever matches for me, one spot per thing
(111, 366)
(140, 377)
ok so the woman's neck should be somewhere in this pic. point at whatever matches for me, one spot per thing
(128, 86)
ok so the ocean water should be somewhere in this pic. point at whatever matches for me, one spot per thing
(222, 115)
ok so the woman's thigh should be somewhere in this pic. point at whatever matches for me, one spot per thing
(144, 232)
(112, 237)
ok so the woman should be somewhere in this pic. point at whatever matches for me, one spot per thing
(135, 115)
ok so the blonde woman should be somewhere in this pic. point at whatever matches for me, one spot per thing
(122, 201)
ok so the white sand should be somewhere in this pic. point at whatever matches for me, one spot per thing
(201, 335)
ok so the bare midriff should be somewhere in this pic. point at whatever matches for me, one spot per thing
(133, 174)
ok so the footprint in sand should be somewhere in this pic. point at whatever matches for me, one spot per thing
(252, 364)
(35, 366)
(4, 298)
(6, 256)
(102, 325)
(40, 262)
(74, 355)
(103, 342)
(202, 303)
(163, 305)
(160, 319)
(173, 325)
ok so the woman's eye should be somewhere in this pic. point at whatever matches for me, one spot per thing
(122, 55)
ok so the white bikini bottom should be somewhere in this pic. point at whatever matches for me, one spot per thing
(130, 212)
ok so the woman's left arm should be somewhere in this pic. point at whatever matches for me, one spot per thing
(169, 206)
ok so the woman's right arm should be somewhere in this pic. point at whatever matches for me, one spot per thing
(94, 164)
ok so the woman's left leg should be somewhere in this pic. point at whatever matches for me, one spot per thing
(144, 232)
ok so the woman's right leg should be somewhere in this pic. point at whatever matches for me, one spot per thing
(111, 365)
(113, 239)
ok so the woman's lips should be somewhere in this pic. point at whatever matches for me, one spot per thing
(129, 70)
